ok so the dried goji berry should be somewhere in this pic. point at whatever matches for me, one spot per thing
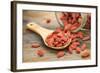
(76, 43)
(80, 35)
(60, 54)
(78, 50)
(85, 53)
(67, 27)
(40, 53)
(73, 46)
(70, 50)
(83, 47)
(35, 45)
(86, 38)
(73, 28)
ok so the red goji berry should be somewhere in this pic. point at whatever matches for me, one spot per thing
(40, 53)
(60, 54)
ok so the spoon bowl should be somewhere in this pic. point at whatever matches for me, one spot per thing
(43, 32)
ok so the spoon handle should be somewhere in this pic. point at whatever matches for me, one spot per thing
(38, 29)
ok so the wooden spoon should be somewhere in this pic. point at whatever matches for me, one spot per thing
(43, 32)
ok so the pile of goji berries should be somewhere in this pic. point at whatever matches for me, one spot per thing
(58, 38)
(61, 36)
(71, 20)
